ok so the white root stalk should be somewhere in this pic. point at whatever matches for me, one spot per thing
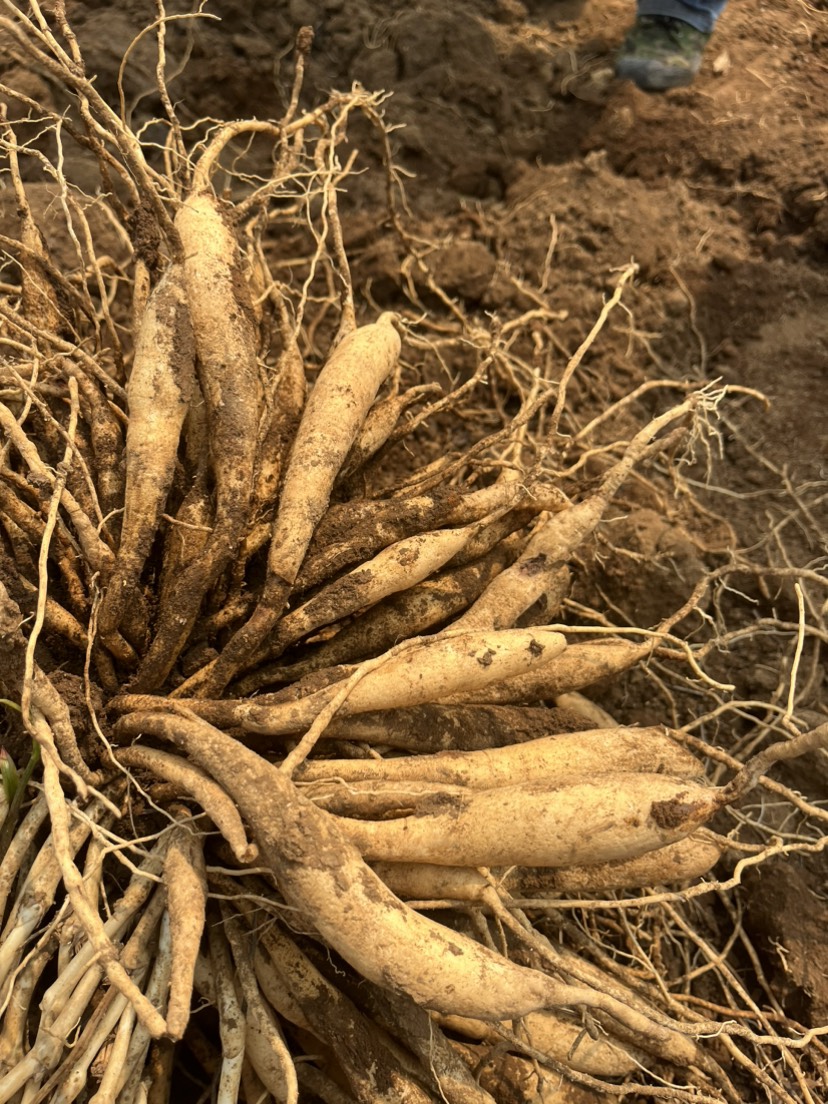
(50, 1042)
(209, 795)
(423, 670)
(156, 994)
(88, 917)
(615, 817)
(231, 1018)
(186, 880)
(113, 1073)
(36, 896)
(22, 840)
(560, 758)
(76, 1079)
(84, 965)
(264, 1043)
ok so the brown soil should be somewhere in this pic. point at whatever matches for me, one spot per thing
(510, 121)
(514, 131)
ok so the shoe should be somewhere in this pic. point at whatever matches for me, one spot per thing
(661, 53)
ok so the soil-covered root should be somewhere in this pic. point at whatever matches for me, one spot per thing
(221, 457)
(395, 569)
(159, 393)
(226, 346)
(369, 1062)
(352, 532)
(338, 404)
(427, 729)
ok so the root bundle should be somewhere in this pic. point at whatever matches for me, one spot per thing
(309, 820)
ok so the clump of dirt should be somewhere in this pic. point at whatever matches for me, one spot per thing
(787, 916)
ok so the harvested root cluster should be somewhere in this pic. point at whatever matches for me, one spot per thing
(294, 694)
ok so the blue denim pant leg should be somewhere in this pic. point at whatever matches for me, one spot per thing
(701, 14)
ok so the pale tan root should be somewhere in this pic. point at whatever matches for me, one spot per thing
(72, 1074)
(320, 873)
(674, 864)
(158, 392)
(561, 1039)
(199, 785)
(106, 437)
(581, 665)
(583, 707)
(186, 533)
(83, 972)
(285, 409)
(25, 526)
(186, 881)
(156, 988)
(616, 817)
(557, 758)
(686, 860)
(273, 985)
(284, 403)
(428, 669)
(226, 348)
(18, 847)
(443, 1071)
(39, 301)
(35, 897)
(95, 550)
(343, 394)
